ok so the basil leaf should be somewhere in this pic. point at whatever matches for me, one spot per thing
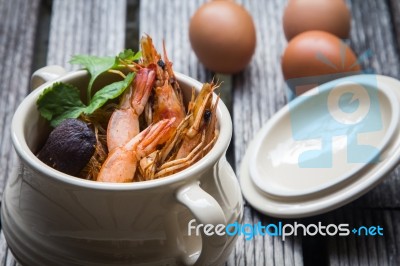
(59, 102)
(109, 92)
(95, 65)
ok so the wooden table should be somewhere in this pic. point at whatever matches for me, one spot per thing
(35, 33)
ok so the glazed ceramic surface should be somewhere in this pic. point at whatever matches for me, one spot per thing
(305, 148)
(272, 178)
(50, 218)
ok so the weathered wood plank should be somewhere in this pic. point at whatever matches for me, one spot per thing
(16, 52)
(132, 25)
(365, 250)
(77, 27)
(265, 250)
(372, 30)
(258, 92)
(173, 27)
(257, 96)
(394, 7)
(92, 27)
(262, 74)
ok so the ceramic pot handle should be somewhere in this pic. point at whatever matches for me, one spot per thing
(45, 74)
(206, 210)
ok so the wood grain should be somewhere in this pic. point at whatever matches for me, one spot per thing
(377, 32)
(98, 27)
(93, 27)
(365, 250)
(77, 27)
(394, 7)
(258, 92)
(172, 26)
(253, 84)
(18, 27)
(16, 52)
(371, 30)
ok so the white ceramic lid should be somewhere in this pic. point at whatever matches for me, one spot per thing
(325, 148)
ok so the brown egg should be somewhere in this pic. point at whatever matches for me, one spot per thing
(317, 53)
(327, 15)
(223, 36)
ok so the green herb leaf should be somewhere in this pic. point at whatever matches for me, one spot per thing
(109, 92)
(129, 56)
(59, 102)
(95, 65)
(62, 101)
(74, 112)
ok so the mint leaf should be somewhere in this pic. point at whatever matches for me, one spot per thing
(129, 56)
(109, 92)
(95, 65)
(59, 102)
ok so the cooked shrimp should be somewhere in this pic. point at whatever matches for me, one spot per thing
(173, 140)
(167, 105)
(202, 115)
(194, 136)
(121, 163)
(150, 57)
(168, 101)
(124, 122)
(171, 76)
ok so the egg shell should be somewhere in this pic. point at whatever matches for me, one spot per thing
(223, 36)
(315, 53)
(327, 15)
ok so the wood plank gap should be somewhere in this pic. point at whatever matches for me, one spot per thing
(394, 8)
(42, 37)
(19, 29)
(314, 247)
(132, 25)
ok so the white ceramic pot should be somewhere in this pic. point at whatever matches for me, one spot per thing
(50, 218)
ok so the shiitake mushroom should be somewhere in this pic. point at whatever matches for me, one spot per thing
(69, 147)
